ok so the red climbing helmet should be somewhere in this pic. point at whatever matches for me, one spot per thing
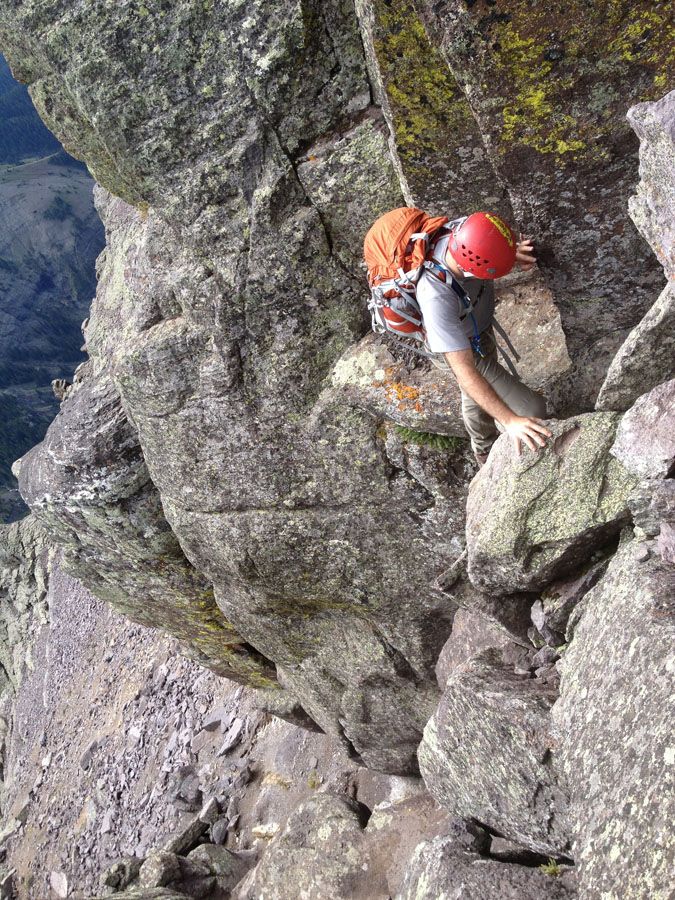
(484, 245)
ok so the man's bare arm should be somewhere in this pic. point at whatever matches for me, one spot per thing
(519, 428)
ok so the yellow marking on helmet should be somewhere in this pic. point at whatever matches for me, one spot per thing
(502, 226)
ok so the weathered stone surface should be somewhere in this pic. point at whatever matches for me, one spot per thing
(647, 357)
(487, 754)
(440, 869)
(551, 612)
(159, 869)
(507, 613)
(218, 318)
(316, 854)
(437, 145)
(616, 724)
(184, 875)
(89, 486)
(471, 634)
(652, 503)
(358, 160)
(229, 868)
(24, 577)
(645, 438)
(652, 207)
(537, 517)
(549, 87)
(122, 873)
(666, 542)
(423, 399)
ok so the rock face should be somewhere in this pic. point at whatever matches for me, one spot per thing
(645, 439)
(316, 854)
(645, 446)
(217, 319)
(646, 358)
(24, 575)
(486, 754)
(90, 487)
(569, 161)
(617, 753)
(228, 466)
(531, 522)
(440, 869)
(437, 145)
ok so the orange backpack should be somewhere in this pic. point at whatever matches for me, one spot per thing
(396, 250)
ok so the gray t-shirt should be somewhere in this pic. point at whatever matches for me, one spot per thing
(448, 324)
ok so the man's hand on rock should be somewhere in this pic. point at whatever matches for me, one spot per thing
(529, 431)
(525, 254)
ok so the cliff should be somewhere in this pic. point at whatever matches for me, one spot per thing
(227, 465)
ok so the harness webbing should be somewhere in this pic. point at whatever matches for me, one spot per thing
(466, 303)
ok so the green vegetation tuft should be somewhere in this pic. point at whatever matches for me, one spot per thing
(429, 439)
(551, 868)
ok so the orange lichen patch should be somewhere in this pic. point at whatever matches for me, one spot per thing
(405, 396)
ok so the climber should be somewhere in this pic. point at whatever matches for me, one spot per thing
(456, 299)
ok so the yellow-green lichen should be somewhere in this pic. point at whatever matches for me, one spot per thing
(562, 73)
(429, 111)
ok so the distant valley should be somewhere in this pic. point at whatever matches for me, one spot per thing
(50, 236)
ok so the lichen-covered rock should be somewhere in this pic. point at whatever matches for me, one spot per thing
(317, 854)
(616, 723)
(228, 867)
(549, 87)
(24, 577)
(488, 754)
(225, 299)
(648, 356)
(440, 869)
(437, 145)
(358, 161)
(423, 399)
(90, 488)
(537, 517)
(645, 438)
(652, 207)
(177, 873)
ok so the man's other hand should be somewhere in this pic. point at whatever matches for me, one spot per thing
(525, 254)
(529, 431)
